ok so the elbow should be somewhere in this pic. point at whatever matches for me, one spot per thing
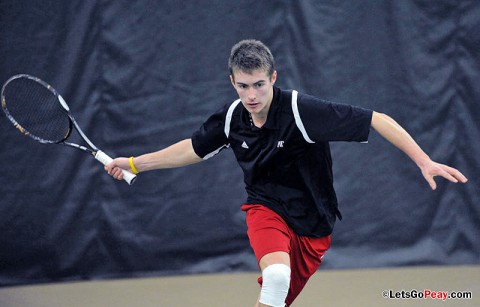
(384, 124)
(377, 118)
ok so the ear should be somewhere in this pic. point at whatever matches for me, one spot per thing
(274, 77)
(232, 80)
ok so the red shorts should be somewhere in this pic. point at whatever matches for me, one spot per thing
(268, 233)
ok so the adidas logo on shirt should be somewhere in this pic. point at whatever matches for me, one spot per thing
(244, 145)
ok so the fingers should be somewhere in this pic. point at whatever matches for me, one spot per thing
(448, 176)
(445, 171)
(452, 174)
(456, 174)
(114, 171)
(117, 173)
(431, 182)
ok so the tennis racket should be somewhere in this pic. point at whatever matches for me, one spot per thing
(37, 110)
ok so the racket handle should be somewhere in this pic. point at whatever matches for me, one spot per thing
(105, 159)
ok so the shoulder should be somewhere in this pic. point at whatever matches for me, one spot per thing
(233, 107)
(290, 100)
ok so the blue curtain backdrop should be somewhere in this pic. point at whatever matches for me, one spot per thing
(140, 75)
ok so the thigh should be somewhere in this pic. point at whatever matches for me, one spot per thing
(274, 258)
(305, 258)
(268, 234)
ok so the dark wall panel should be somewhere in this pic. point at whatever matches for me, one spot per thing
(141, 75)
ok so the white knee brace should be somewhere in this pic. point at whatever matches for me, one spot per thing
(275, 285)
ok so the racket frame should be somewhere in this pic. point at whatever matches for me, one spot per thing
(93, 150)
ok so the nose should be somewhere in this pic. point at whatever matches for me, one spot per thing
(252, 94)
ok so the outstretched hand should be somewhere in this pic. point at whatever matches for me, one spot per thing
(432, 169)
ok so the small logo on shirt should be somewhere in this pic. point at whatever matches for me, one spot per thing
(280, 144)
(244, 145)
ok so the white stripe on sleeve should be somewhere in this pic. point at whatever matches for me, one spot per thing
(298, 120)
(228, 118)
(213, 153)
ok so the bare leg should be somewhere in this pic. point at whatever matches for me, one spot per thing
(257, 304)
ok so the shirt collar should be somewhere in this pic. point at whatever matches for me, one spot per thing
(272, 120)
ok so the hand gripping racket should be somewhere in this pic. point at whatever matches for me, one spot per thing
(38, 111)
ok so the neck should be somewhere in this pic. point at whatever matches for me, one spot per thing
(258, 120)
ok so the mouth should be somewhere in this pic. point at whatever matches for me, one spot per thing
(252, 105)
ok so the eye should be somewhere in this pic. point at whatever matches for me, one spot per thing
(259, 85)
(242, 86)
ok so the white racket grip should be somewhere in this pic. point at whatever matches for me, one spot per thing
(105, 159)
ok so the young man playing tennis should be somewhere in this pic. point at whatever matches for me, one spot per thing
(280, 139)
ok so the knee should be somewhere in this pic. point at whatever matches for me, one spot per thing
(277, 275)
(275, 285)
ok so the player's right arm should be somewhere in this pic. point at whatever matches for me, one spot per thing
(176, 155)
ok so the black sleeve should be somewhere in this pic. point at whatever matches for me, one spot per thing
(329, 121)
(210, 138)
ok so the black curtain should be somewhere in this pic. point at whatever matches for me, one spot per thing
(141, 75)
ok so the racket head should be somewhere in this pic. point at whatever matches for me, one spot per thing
(36, 109)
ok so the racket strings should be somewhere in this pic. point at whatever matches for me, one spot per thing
(37, 110)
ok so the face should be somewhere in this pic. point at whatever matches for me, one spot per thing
(255, 90)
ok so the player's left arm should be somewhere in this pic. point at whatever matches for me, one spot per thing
(395, 134)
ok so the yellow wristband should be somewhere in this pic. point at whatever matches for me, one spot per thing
(132, 166)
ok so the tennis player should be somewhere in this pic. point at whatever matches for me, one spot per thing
(281, 140)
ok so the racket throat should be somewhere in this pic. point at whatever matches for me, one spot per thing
(90, 151)
(84, 137)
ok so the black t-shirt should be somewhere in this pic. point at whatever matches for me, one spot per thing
(287, 164)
